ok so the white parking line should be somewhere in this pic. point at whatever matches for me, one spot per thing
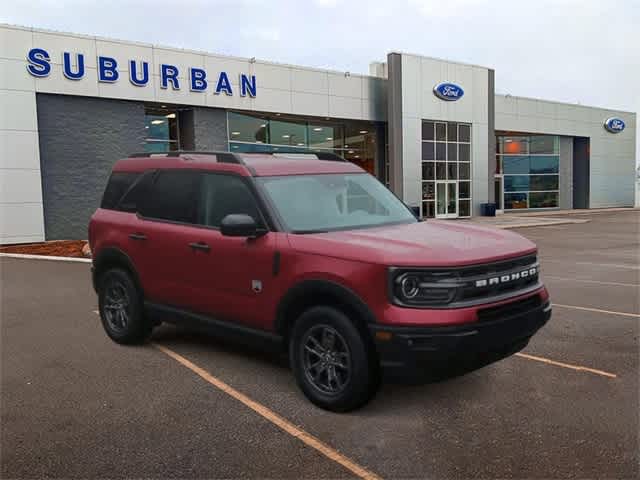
(271, 416)
(597, 310)
(594, 264)
(580, 280)
(566, 365)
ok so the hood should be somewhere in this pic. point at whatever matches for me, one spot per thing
(430, 243)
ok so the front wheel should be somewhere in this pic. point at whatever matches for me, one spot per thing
(331, 360)
(121, 311)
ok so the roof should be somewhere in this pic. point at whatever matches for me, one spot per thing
(246, 164)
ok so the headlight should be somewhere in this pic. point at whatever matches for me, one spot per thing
(410, 286)
(422, 288)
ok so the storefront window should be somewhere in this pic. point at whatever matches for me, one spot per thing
(245, 128)
(530, 166)
(446, 169)
(355, 141)
(161, 131)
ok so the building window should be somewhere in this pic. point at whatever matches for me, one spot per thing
(161, 130)
(446, 169)
(530, 169)
(355, 141)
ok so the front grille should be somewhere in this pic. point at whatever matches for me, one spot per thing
(470, 275)
(509, 309)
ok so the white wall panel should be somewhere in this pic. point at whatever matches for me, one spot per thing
(21, 222)
(19, 149)
(345, 107)
(345, 86)
(15, 42)
(310, 81)
(309, 104)
(14, 76)
(20, 186)
(18, 110)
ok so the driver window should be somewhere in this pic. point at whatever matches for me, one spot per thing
(222, 195)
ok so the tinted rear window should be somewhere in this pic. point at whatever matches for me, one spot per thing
(118, 184)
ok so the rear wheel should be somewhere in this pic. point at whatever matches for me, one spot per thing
(121, 311)
(331, 360)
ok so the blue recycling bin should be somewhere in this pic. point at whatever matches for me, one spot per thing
(488, 209)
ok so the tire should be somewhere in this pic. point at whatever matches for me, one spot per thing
(322, 331)
(121, 309)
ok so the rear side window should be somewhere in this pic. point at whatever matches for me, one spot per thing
(118, 184)
(137, 193)
(172, 197)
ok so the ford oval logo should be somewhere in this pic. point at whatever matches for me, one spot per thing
(448, 91)
(614, 125)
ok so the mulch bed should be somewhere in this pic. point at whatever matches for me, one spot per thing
(58, 248)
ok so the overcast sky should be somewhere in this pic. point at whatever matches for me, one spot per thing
(583, 51)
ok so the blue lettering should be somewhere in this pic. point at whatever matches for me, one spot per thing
(107, 69)
(247, 84)
(223, 84)
(133, 73)
(39, 65)
(169, 73)
(67, 66)
(198, 82)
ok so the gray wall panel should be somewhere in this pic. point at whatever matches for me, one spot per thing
(394, 118)
(566, 172)
(210, 129)
(491, 110)
(80, 139)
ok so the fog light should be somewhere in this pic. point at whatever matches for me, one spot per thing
(384, 336)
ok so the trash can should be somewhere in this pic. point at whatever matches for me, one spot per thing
(488, 209)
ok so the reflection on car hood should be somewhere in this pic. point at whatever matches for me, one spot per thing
(431, 243)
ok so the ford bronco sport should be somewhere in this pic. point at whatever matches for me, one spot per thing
(310, 253)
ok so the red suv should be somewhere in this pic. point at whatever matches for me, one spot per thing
(311, 253)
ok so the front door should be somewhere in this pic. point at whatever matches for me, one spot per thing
(447, 199)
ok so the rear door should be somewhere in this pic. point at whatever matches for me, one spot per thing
(160, 237)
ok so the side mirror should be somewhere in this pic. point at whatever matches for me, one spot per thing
(240, 225)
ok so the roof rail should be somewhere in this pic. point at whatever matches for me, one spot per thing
(222, 157)
(320, 154)
(231, 157)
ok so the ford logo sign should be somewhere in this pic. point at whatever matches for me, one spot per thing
(614, 125)
(448, 91)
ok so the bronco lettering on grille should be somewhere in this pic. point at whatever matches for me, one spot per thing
(530, 272)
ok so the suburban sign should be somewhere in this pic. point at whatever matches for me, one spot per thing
(448, 91)
(614, 124)
(109, 71)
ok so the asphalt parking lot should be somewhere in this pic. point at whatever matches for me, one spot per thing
(74, 404)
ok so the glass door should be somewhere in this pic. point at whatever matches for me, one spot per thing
(447, 199)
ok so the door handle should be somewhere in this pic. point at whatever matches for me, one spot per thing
(137, 236)
(200, 246)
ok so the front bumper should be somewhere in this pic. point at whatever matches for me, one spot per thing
(421, 353)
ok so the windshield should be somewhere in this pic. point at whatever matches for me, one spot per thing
(319, 203)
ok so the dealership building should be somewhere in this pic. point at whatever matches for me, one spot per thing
(433, 130)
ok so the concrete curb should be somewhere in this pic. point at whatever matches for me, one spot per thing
(25, 256)
(539, 224)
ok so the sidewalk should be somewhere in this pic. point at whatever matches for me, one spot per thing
(542, 219)
(510, 220)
